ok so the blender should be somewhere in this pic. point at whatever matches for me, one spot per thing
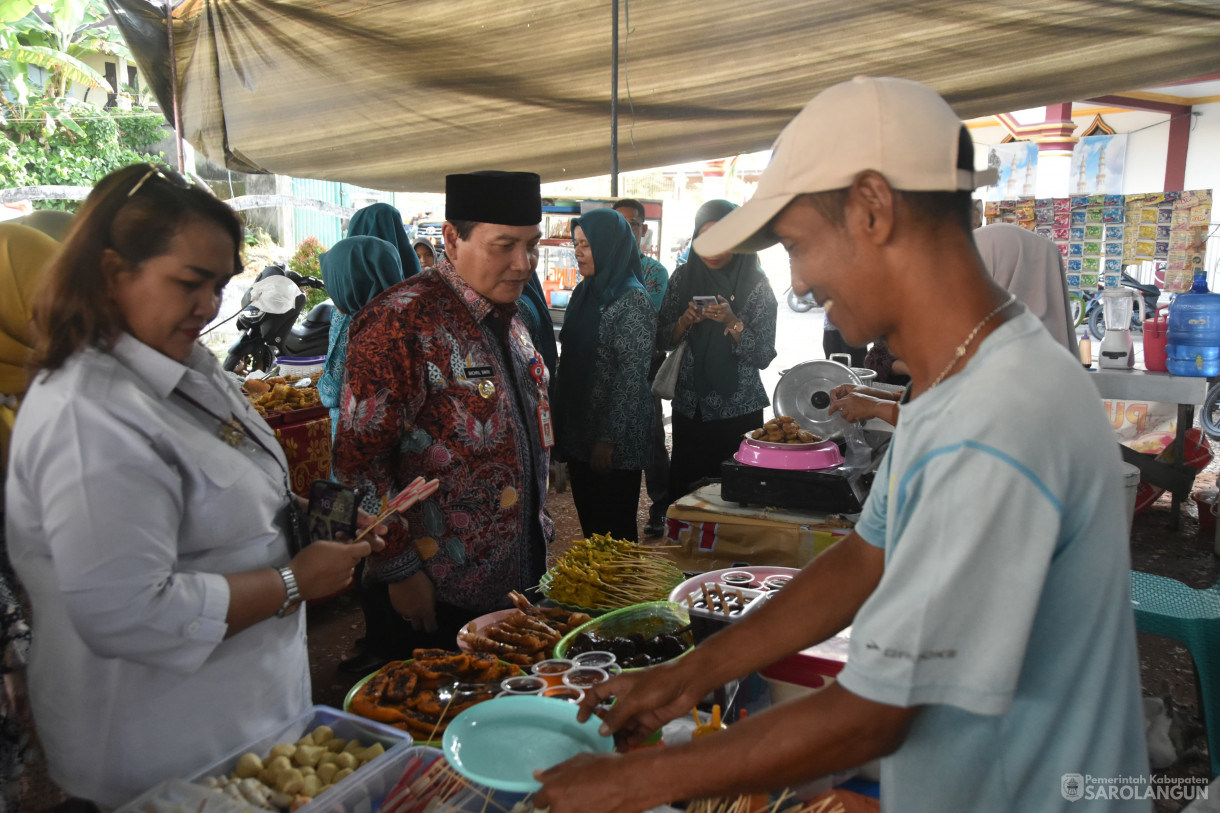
(1117, 346)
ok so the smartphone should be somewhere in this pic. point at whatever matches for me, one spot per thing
(702, 302)
(332, 510)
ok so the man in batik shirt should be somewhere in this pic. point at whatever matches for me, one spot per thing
(443, 382)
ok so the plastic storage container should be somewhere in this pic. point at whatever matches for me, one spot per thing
(301, 365)
(365, 789)
(180, 796)
(1193, 342)
(475, 798)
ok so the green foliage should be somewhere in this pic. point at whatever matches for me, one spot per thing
(33, 153)
(48, 138)
(306, 262)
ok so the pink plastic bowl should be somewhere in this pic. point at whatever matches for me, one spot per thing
(796, 457)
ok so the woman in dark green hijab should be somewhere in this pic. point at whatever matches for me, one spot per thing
(384, 221)
(603, 403)
(355, 270)
(719, 395)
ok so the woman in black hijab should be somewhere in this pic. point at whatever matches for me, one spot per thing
(719, 395)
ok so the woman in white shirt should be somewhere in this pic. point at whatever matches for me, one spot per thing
(148, 509)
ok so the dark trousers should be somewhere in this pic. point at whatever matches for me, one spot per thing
(656, 476)
(606, 503)
(393, 637)
(833, 342)
(701, 446)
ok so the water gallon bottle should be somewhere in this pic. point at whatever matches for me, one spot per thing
(1193, 341)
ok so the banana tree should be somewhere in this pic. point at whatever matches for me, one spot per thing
(63, 31)
(53, 36)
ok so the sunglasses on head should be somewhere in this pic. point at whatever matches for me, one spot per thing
(165, 174)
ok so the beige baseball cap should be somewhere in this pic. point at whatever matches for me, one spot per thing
(899, 128)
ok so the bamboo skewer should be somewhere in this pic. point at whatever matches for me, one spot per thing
(417, 490)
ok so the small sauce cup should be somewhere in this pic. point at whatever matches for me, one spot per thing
(738, 578)
(597, 659)
(775, 582)
(564, 693)
(523, 684)
(552, 670)
(584, 677)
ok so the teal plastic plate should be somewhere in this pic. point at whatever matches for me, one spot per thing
(500, 743)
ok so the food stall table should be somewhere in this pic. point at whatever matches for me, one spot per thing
(304, 435)
(712, 533)
(1144, 385)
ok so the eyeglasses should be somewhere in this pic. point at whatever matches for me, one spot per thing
(165, 174)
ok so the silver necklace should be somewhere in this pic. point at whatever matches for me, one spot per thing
(961, 348)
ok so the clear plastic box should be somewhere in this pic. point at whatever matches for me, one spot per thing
(180, 796)
(364, 790)
(474, 799)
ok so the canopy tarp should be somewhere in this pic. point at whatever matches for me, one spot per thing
(394, 94)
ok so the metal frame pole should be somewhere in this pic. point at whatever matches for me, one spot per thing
(173, 85)
(614, 105)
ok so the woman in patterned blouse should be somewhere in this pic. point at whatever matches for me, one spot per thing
(719, 395)
(603, 403)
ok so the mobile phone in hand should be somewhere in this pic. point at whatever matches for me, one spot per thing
(332, 510)
(702, 302)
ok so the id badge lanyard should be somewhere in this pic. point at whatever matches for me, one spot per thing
(546, 428)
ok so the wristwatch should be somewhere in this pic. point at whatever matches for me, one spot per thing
(292, 593)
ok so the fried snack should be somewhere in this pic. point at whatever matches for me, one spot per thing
(527, 635)
(422, 695)
(784, 429)
(256, 386)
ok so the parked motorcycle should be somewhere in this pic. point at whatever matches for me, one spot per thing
(798, 302)
(1145, 303)
(268, 321)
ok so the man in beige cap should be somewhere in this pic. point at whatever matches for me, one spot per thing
(992, 659)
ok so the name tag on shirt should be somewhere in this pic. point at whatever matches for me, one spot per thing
(479, 372)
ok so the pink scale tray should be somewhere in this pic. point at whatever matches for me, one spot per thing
(824, 454)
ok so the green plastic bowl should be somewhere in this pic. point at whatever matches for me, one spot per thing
(650, 619)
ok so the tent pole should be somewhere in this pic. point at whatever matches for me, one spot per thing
(614, 105)
(173, 85)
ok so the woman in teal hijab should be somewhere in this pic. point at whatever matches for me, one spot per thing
(355, 270)
(719, 395)
(384, 221)
(603, 403)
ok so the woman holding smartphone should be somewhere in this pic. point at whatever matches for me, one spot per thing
(148, 509)
(725, 310)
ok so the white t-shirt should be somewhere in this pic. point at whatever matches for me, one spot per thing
(124, 507)
(1004, 609)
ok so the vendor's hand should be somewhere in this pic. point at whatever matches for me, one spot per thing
(589, 783)
(863, 389)
(414, 598)
(856, 406)
(646, 700)
(601, 460)
(692, 316)
(325, 567)
(721, 312)
(844, 390)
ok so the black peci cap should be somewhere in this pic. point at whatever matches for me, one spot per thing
(506, 198)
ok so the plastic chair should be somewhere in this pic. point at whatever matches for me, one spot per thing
(1167, 607)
